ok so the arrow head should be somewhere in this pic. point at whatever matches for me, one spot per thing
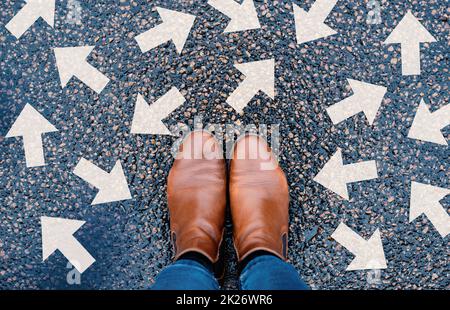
(332, 175)
(424, 126)
(370, 97)
(261, 74)
(178, 25)
(245, 19)
(69, 59)
(424, 198)
(30, 122)
(409, 30)
(309, 28)
(115, 189)
(55, 232)
(371, 256)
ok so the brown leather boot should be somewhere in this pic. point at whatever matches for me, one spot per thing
(259, 199)
(196, 194)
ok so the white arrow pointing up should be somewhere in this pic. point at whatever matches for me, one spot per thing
(243, 16)
(259, 75)
(366, 98)
(30, 124)
(28, 15)
(425, 200)
(427, 126)
(309, 26)
(410, 33)
(57, 234)
(71, 61)
(335, 175)
(368, 254)
(147, 119)
(175, 26)
(112, 186)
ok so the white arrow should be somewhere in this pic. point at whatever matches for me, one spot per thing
(30, 124)
(427, 126)
(410, 33)
(175, 26)
(243, 16)
(57, 234)
(425, 200)
(147, 119)
(29, 14)
(335, 175)
(71, 61)
(366, 98)
(259, 75)
(368, 254)
(310, 26)
(112, 186)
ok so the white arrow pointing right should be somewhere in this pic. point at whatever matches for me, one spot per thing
(112, 186)
(366, 98)
(427, 126)
(425, 200)
(57, 234)
(71, 61)
(368, 254)
(259, 75)
(175, 26)
(243, 16)
(28, 15)
(335, 175)
(309, 26)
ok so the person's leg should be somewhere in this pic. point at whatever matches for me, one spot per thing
(192, 271)
(264, 271)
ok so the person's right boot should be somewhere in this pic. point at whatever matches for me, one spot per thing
(259, 199)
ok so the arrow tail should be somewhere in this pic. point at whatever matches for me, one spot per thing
(348, 238)
(77, 255)
(441, 117)
(410, 58)
(91, 173)
(153, 38)
(361, 171)
(242, 95)
(34, 151)
(440, 219)
(23, 20)
(344, 109)
(92, 77)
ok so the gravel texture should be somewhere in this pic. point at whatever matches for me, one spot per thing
(130, 239)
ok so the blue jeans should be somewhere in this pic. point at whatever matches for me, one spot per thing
(265, 272)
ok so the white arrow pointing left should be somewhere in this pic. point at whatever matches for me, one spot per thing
(335, 175)
(259, 75)
(30, 124)
(368, 254)
(29, 14)
(71, 61)
(243, 16)
(425, 200)
(57, 234)
(112, 186)
(310, 26)
(175, 26)
(147, 119)
(366, 98)
(427, 126)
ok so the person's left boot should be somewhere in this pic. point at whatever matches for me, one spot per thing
(196, 194)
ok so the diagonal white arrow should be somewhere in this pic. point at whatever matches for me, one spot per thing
(30, 124)
(243, 16)
(369, 254)
(147, 119)
(427, 126)
(309, 26)
(410, 33)
(29, 14)
(366, 98)
(335, 175)
(175, 26)
(71, 61)
(259, 75)
(425, 200)
(57, 234)
(112, 186)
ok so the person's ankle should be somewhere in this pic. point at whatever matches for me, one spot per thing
(252, 256)
(199, 258)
